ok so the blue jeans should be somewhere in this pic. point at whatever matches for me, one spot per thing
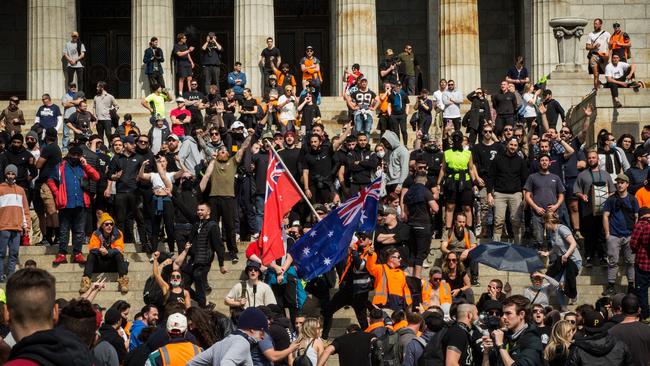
(9, 239)
(72, 219)
(537, 222)
(641, 284)
(66, 137)
(362, 122)
(259, 212)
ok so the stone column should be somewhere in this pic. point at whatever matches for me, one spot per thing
(46, 36)
(254, 23)
(545, 55)
(151, 18)
(354, 41)
(460, 57)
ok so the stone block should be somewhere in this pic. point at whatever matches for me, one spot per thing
(635, 100)
(632, 26)
(602, 2)
(639, 40)
(587, 11)
(626, 11)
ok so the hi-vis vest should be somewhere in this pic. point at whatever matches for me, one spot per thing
(457, 164)
(444, 292)
(388, 282)
(178, 354)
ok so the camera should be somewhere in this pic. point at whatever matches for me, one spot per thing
(395, 61)
(489, 322)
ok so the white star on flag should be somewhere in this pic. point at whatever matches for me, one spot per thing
(327, 261)
(305, 252)
(265, 238)
(330, 234)
(313, 233)
(363, 216)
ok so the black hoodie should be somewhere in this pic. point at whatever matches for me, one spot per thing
(52, 348)
(599, 349)
(110, 335)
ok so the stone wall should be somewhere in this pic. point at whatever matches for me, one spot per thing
(13, 43)
(402, 22)
(634, 16)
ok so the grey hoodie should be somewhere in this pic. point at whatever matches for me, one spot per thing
(397, 159)
(189, 154)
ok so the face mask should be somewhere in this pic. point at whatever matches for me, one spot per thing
(465, 147)
(293, 235)
(10, 181)
(187, 184)
(612, 145)
(175, 283)
(15, 148)
(380, 154)
(73, 161)
(431, 148)
(237, 135)
(31, 145)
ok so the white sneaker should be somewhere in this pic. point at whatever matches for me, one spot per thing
(426, 263)
(255, 237)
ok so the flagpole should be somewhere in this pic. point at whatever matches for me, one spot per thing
(293, 180)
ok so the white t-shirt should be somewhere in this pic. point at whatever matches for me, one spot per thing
(289, 111)
(437, 95)
(263, 295)
(617, 71)
(451, 110)
(529, 110)
(602, 39)
(158, 183)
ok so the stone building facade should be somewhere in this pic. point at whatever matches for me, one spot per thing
(471, 41)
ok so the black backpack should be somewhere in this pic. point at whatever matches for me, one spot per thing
(433, 354)
(384, 351)
(152, 293)
(302, 359)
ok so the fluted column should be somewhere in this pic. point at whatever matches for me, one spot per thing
(354, 41)
(46, 36)
(460, 57)
(151, 18)
(254, 23)
(545, 50)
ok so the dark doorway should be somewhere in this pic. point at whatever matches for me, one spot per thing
(106, 33)
(197, 18)
(302, 23)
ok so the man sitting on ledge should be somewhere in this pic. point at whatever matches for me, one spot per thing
(619, 74)
(106, 254)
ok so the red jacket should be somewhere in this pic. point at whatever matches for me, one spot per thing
(60, 193)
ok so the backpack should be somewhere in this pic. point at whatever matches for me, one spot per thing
(433, 354)
(152, 293)
(302, 359)
(384, 351)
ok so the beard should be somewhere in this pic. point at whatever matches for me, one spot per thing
(222, 158)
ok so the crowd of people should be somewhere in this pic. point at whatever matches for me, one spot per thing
(195, 179)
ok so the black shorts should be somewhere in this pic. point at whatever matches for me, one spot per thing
(183, 71)
(569, 194)
(463, 198)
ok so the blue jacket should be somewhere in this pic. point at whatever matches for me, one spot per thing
(232, 76)
(148, 61)
(136, 329)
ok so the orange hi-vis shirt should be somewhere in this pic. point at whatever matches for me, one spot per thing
(388, 282)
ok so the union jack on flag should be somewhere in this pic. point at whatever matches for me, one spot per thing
(349, 209)
(274, 172)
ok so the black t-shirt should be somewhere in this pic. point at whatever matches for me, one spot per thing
(570, 166)
(211, 55)
(353, 349)
(363, 99)
(391, 77)
(81, 120)
(192, 96)
(515, 74)
(52, 154)
(320, 164)
(248, 104)
(182, 60)
(483, 155)
(266, 53)
(458, 338)
(433, 158)
(309, 112)
(418, 212)
(409, 181)
(402, 235)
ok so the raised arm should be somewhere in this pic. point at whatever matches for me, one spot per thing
(206, 177)
(243, 148)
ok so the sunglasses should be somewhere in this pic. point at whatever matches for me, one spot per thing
(175, 277)
(109, 224)
(396, 257)
(572, 322)
(565, 131)
(143, 142)
(494, 313)
(538, 311)
(453, 260)
(487, 131)
(214, 133)
(437, 278)
(507, 129)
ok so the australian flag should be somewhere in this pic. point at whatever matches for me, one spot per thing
(326, 244)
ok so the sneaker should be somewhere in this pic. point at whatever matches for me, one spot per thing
(3, 278)
(123, 284)
(254, 237)
(60, 258)
(210, 306)
(573, 301)
(609, 290)
(603, 262)
(588, 263)
(426, 263)
(43, 242)
(579, 235)
(475, 282)
(79, 258)
(618, 104)
(235, 258)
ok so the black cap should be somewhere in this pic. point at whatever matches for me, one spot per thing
(593, 322)
(17, 137)
(640, 151)
(76, 150)
(492, 305)
(253, 264)
(51, 132)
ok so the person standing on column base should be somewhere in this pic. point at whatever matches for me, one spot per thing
(73, 52)
(153, 59)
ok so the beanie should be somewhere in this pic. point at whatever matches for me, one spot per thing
(253, 319)
(11, 168)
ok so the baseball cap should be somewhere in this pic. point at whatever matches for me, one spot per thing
(593, 322)
(51, 132)
(435, 270)
(623, 177)
(492, 305)
(129, 139)
(273, 77)
(173, 136)
(616, 300)
(253, 264)
(75, 150)
(180, 100)
(176, 323)
(617, 25)
(309, 48)
(389, 52)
